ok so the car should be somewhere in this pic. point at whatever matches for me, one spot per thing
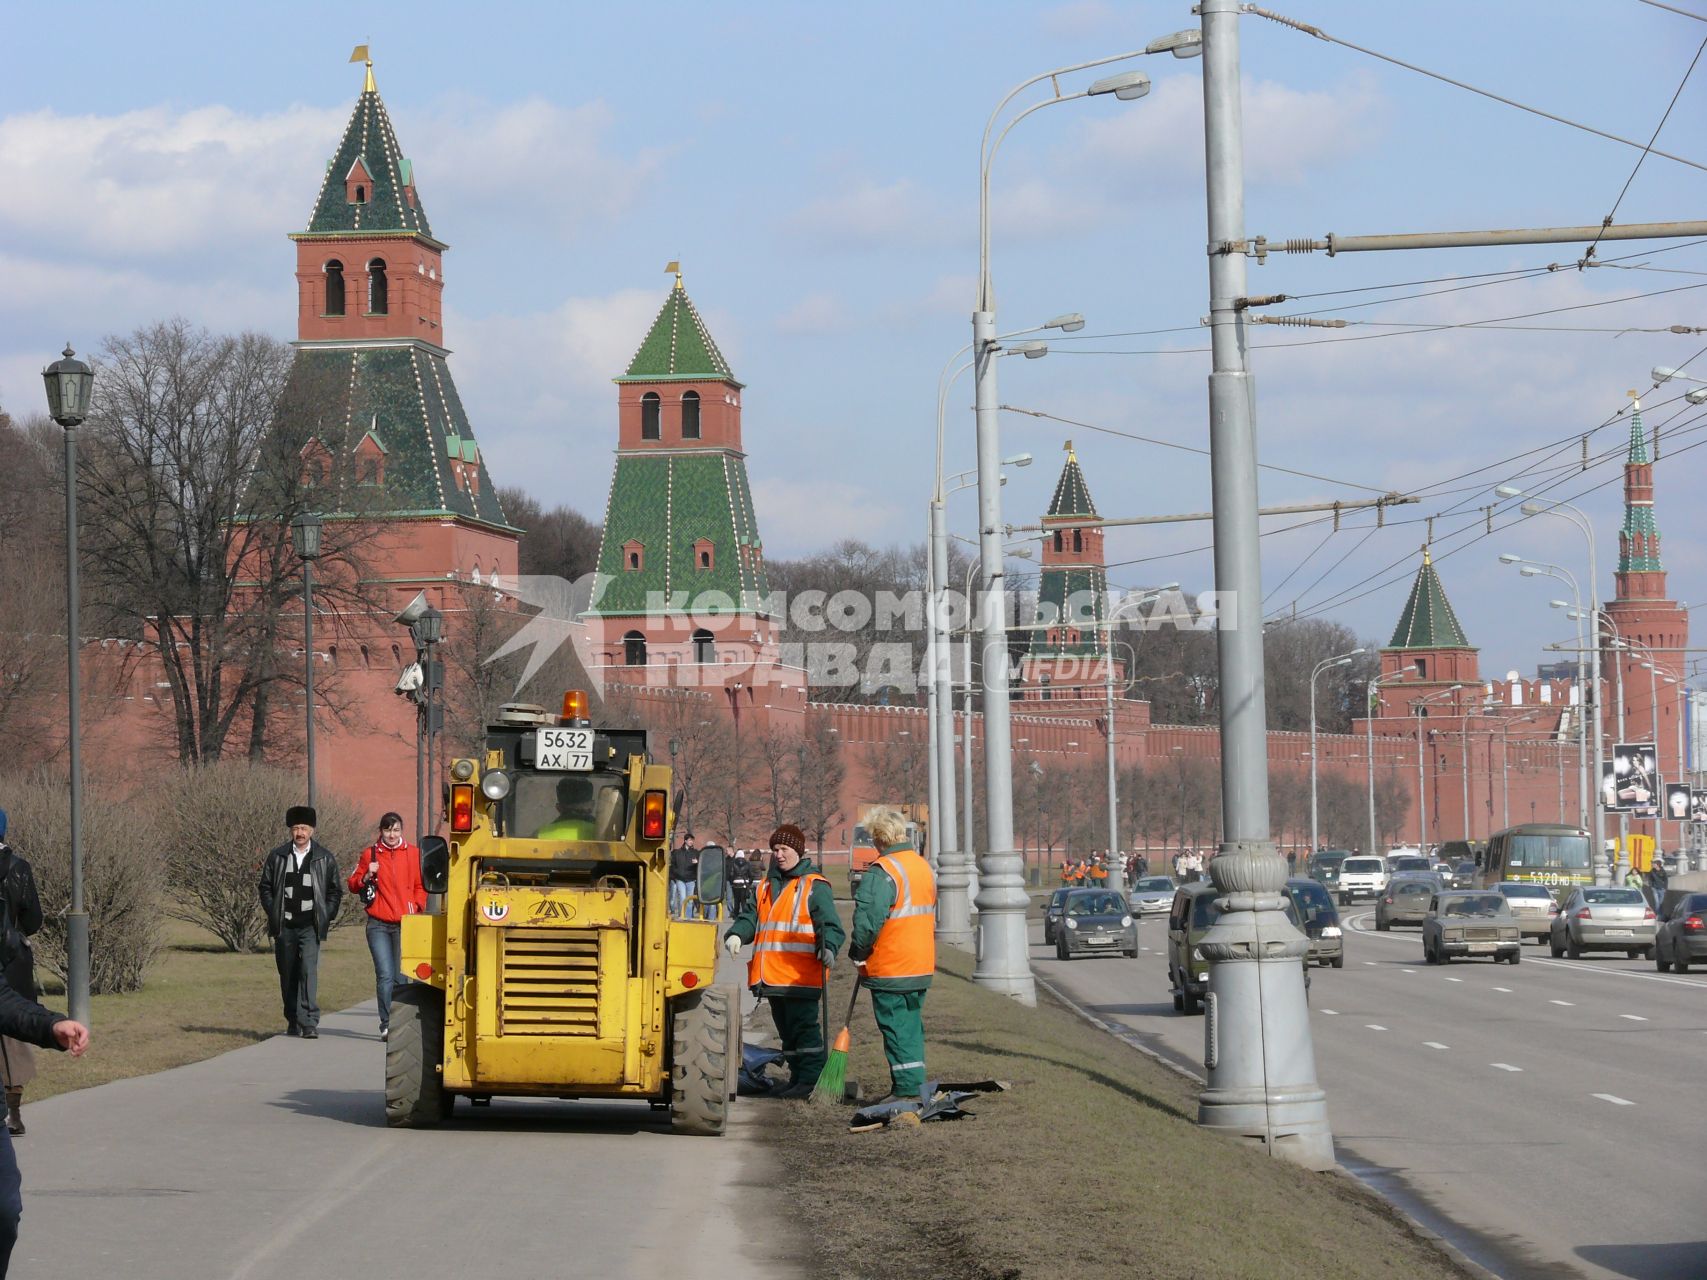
(1602, 919)
(1681, 938)
(1463, 876)
(1470, 922)
(1095, 922)
(1443, 870)
(1151, 895)
(1397, 862)
(1189, 918)
(1320, 921)
(1533, 906)
(1361, 876)
(1052, 915)
(1406, 898)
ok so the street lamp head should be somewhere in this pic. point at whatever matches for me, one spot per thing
(1532, 508)
(1509, 557)
(1558, 604)
(1017, 460)
(1071, 322)
(1530, 571)
(70, 383)
(1182, 44)
(1507, 491)
(428, 629)
(1125, 85)
(1660, 373)
(1030, 350)
(305, 535)
(1696, 395)
(675, 745)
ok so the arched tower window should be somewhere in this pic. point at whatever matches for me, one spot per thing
(1057, 539)
(634, 649)
(704, 646)
(334, 288)
(1078, 541)
(690, 415)
(361, 195)
(378, 293)
(650, 408)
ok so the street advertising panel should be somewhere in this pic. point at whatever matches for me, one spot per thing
(1698, 804)
(1677, 802)
(1634, 785)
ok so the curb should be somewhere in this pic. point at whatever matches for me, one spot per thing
(1125, 1036)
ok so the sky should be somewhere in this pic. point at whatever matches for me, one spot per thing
(813, 167)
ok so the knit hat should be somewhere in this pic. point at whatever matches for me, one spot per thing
(790, 835)
(300, 814)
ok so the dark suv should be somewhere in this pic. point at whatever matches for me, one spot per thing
(1320, 920)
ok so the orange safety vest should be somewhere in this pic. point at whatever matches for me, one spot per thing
(906, 944)
(785, 946)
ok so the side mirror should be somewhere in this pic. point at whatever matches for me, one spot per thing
(713, 871)
(435, 864)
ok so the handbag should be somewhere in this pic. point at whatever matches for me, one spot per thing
(370, 883)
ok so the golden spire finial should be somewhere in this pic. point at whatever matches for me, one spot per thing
(1428, 557)
(360, 54)
(1635, 398)
(1071, 456)
(676, 266)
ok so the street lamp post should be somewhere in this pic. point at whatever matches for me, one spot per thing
(1369, 741)
(70, 384)
(427, 630)
(305, 534)
(1339, 660)
(1419, 709)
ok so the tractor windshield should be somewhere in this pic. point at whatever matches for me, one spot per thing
(569, 806)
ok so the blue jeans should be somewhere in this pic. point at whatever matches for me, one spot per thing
(384, 941)
(680, 892)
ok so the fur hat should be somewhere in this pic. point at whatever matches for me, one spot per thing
(300, 814)
(790, 835)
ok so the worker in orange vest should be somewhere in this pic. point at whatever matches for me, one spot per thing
(795, 933)
(894, 945)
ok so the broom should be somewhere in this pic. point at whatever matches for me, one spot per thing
(832, 1080)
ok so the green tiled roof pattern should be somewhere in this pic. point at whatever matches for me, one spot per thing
(1639, 539)
(368, 137)
(1428, 621)
(678, 347)
(667, 502)
(1059, 585)
(1638, 439)
(753, 575)
(1072, 494)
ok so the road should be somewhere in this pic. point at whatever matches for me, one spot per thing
(1552, 1109)
(274, 1162)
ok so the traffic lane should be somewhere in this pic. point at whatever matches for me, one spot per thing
(1514, 1155)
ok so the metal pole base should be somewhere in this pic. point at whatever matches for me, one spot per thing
(1004, 944)
(1257, 1045)
(77, 966)
(953, 902)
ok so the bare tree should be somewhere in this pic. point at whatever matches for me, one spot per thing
(822, 774)
(559, 542)
(897, 769)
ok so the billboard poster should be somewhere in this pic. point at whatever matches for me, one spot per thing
(1677, 802)
(1635, 786)
(1698, 804)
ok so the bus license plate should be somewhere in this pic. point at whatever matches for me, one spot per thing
(565, 750)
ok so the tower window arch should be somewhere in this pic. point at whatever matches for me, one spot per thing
(378, 291)
(650, 409)
(1078, 541)
(690, 415)
(361, 194)
(704, 646)
(1057, 539)
(634, 649)
(334, 288)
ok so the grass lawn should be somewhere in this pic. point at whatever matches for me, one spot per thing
(199, 1000)
(1092, 1165)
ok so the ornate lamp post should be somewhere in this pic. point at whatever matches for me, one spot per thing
(70, 383)
(305, 534)
(427, 630)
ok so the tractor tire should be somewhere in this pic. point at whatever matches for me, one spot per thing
(699, 1062)
(414, 1090)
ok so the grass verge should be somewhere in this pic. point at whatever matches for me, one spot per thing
(1092, 1165)
(200, 1000)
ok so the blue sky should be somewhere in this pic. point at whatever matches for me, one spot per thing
(814, 168)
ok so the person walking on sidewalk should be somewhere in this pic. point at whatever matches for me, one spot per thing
(795, 933)
(684, 870)
(300, 893)
(894, 945)
(387, 877)
(27, 1022)
(20, 920)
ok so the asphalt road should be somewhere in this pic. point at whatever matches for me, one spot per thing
(274, 1162)
(1551, 1109)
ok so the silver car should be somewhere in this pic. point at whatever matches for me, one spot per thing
(1152, 895)
(1603, 919)
(1533, 906)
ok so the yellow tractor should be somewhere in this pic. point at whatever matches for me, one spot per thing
(547, 963)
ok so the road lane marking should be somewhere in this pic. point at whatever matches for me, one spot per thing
(1370, 963)
(1374, 1026)
(1331, 1012)
(1566, 1003)
(1613, 1098)
(1507, 990)
(1435, 1044)
(1633, 1017)
(1505, 1066)
(1407, 970)
(1455, 979)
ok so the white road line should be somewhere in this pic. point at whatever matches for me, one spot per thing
(1505, 1066)
(1374, 1026)
(1455, 979)
(1435, 1044)
(1579, 967)
(1370, 963)
(1407, 970)
(1566, 1003)
(1333, 1013)
(1507, 990)
(1633, 1017)
(1613, 1098)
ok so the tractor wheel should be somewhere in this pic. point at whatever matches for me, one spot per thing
(699, 1062)
(414, 1090)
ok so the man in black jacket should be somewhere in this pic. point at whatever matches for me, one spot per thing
(684, 871)
(300, 892)
(20, 920)
(25, 1020)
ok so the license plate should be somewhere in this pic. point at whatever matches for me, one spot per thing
(1620, 933)
(564, 750)
(1484, 946)
(1100, 942)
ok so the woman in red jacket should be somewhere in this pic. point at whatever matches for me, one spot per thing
(388, 879)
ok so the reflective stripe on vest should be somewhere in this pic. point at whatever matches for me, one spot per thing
(906, 944)
(785, 945)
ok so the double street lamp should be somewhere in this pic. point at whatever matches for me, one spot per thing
(70, 384)
(305, 534)
(1392, 677)
(1326, 664)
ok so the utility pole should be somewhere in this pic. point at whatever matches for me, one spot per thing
(1116, 863)
(954, 908)
(1258, 1050)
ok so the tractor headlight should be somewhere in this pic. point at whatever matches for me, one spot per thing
(495, 784)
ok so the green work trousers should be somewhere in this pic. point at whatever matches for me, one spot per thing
(900, 1017)
(796, 1019)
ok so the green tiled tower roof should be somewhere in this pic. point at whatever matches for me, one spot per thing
(1072, 494)
(1071, 595)
(668, 502)
(1428, 621)
(368, 138)
(1639, 539)
(678, 347)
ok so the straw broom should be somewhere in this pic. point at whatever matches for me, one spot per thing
(832, 1081)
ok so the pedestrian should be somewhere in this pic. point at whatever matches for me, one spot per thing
(740, 881)
(387, 878)
(1657, 879)
(684, 870)
(26, 1022)
(795, 933)
(301, 892)
(20, 920)
(894, 945)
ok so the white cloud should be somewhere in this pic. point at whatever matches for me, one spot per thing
(816, 313)
(948, 295)
(796, 518)
(870, 215)
(1080, 18)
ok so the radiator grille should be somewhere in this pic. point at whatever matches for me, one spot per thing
(549, 982)
(1482, 935)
